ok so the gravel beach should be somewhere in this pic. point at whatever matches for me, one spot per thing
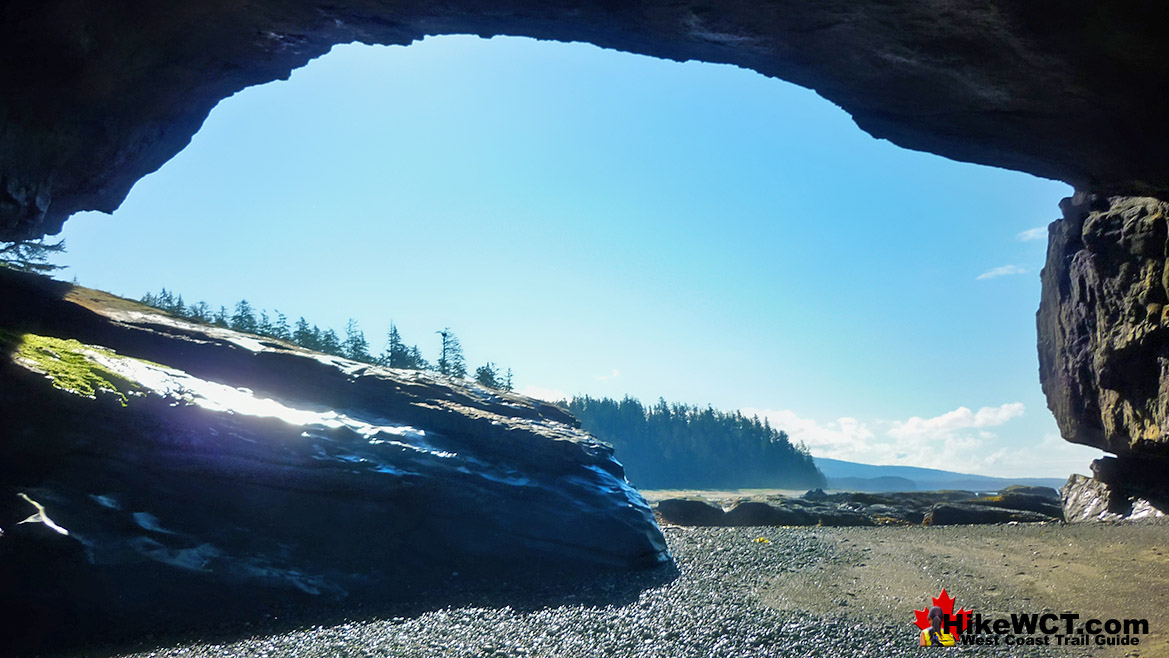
(803, 592)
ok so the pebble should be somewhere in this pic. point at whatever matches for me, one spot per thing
(707, 608)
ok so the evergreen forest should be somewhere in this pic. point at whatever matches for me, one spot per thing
(678, 446)
(351, 345)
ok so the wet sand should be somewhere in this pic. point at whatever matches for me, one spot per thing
(883, 573)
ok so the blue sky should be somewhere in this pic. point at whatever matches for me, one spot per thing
(606, 223)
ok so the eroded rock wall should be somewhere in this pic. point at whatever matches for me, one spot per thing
(1103, 324)
(95, 95)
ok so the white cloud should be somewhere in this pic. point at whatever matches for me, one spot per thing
(945, 425)
(612, 375)
(549, 394)
(1005, 270)
(1037, 233)
(1060, 459)
(843, 434)
(957, 440)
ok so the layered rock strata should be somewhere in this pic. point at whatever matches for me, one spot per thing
(192, 474)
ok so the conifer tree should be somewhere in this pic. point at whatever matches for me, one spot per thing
(264, 326)
(302, 335)
(328, 342)
(165, 300)
(200, 311)
(31, 255)
(221, 318)
(355, 346)
(396, 351)
(280, 328)
(244, 318)
(488, 375)
(416, 360)
(398, 355)
(451, 362)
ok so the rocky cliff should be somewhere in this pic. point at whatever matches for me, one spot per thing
(1103, 322)
(159, 474)
(1103, 325)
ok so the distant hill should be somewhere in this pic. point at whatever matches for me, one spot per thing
(852, 476)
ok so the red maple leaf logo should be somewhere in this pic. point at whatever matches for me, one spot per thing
(946, 603)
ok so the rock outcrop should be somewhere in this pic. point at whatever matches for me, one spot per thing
(97, 95)
(1103, 325)
(192, 474)
(1090, 499)
(1020, 504)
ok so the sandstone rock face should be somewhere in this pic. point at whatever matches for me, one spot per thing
(204, 475)
(1103, 326)
(96, 95)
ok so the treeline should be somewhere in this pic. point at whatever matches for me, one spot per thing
(678, 446)
(354, 345)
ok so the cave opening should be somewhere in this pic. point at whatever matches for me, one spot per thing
(611, 224)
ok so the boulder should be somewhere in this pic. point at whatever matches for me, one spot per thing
(685, 511)
(1103, 326)
(815, 495)
(764, 514)
(842, 517)
(1043, 492)
(201, 476)
(1087, 499)
(970, 513)
(883, 514)
(1022, 501)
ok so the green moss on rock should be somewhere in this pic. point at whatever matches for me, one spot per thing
(67, 363)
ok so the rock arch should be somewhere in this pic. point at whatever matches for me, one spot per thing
(98, 94)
